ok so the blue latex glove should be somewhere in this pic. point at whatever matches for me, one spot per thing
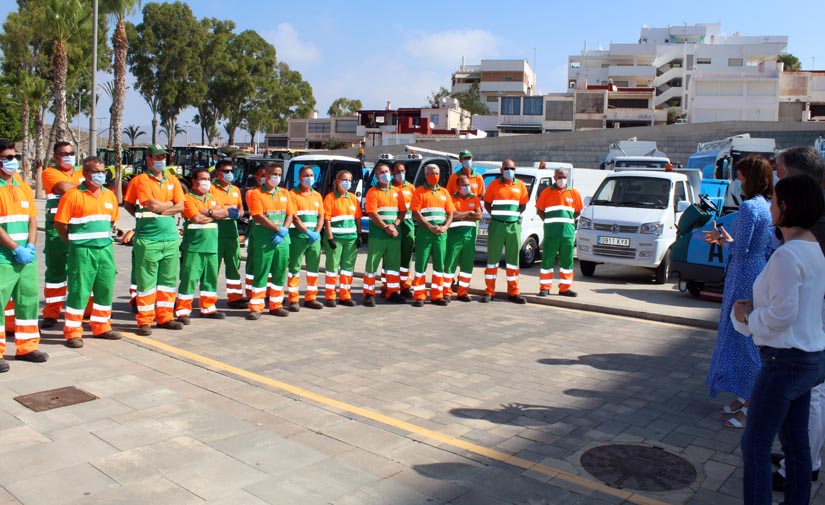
(277, 239)
(314, 236)
(31, 246)
(283, 232)
(234, 213)
(23, 255)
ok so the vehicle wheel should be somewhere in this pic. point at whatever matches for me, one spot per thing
(695, 287)
(529, 252)
(661, 272)
(588, 268)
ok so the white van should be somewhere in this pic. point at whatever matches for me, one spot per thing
(532, 228)
(631, 219)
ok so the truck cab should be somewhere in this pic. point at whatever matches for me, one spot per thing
(326, 168)
(532, 227)
(631, 219)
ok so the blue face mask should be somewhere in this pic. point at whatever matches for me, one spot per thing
(68, 161)
(509, 174)
(98, 179)
(228, 177)
(465, 163)
(11, 166)
(308, 181)
(464, 190)
(345, 185)
(384, 178)
(399, 177)
(158, 165)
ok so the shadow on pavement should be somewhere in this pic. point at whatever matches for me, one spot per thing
(623, 362)
(519, 414)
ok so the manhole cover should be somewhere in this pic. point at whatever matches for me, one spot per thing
(54, 398)
(638, 467)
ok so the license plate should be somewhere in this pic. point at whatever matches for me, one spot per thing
(482, 232)
(622, 242)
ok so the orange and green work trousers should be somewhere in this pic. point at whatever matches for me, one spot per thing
(55, 252)
(90, 270)
(506, 236)
(229, 253)
(561, 248)
(19, 282)
(406, 231)
(269, 262)
(428, 246)
(156, 275)
(197, 270)
(461, 251)
(299, 247)
(340, 263)
(381, 247)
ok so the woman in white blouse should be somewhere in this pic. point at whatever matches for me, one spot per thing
(785, 319)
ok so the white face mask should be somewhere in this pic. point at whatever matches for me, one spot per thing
(67, 161)
(275, 180)
(11, 166)
(561, 183)
(465, 163)
(205, 186)
(509, 174)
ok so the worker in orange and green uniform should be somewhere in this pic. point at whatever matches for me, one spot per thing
(432, 208)
(505, 199)
(406, 230)
(18, 268)
(342, 214)
(273, 209)
(305, 240)
(386, 212)
(558, 206)
(229, 248)
(84, 220)
(461, 239)
(57, 180)
(199, 249)
(249, 268)
(155, 198)
(466, 169)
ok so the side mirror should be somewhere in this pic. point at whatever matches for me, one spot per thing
(682, 206)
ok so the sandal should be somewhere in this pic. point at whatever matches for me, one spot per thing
(727, 410)
(735, 423)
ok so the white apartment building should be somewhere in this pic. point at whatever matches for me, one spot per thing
(693, 68)
(496, 79)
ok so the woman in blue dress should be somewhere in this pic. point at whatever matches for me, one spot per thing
(735, 363)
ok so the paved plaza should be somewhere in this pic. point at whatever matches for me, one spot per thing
(469, 404)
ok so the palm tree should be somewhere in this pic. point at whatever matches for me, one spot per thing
(133, 132)
(792, 63)
(32, 92)
(164, 130)
(154, 106)
(65, 17)
(120, 9)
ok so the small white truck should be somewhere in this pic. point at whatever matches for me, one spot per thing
(631, 219)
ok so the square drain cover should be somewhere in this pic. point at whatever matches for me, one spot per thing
(54, 398)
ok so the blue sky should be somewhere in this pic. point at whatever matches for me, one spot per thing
(402, 51)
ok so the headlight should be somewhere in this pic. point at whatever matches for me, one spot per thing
(652, 228)
(584, 223)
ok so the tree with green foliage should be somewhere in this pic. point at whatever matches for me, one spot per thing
(344, 107)
(792, 63)
(293, 99)
(435, 99)
(165, 59)
(214, 63)
(133, 132)
(471, 100)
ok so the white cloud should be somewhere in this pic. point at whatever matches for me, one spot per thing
(290, 48)
(447, 48)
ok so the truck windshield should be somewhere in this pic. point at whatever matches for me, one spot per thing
(647, 192)
(641, 164)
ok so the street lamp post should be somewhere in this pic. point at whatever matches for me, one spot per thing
(79, 108)
(92, 125)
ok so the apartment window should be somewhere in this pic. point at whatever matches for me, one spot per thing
(345, 126)
(492, 99)
(318, 127)
(511, 105)
(703, 61)
(434, 119)
(506, 78)
(533, 105)
(736, 62)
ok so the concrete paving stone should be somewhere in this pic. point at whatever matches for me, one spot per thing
(319, 483)
(207, 424)
(474, 497)
(321, 442)
(367, 437)
(62, 486)
(220, 478)
(716, 474)
(513, 487)
(379, 466)
(238, 497)
(148, 397)
(80, 429)
(111, 386)
(678, 439)
(149, 491)
(268, 452)
(732, 487)
(441, 489)
(386, 493)
(73, 415)
(707, 497)
(136, 433)
(307, 415)
(149, 461)
(51, 456)
(21, 437)
(6, 498)
(7, 421)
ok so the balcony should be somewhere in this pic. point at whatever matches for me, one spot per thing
(503, 87)
(636, 115)
(620, 71)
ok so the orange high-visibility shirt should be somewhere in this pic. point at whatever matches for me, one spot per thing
(17, 208)
(342, 212)
(230, 196)
(505, 198)
(308, 207)
(405, 192)
(275, 206)
(387, 204)
(51, 177)
(476, 183)
(145, 187)
(434, 204)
